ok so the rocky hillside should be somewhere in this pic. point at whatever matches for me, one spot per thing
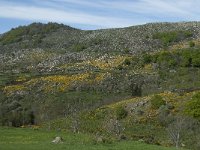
(51, 71)
(60, 37)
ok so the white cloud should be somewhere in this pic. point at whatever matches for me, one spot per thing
(108, 14)
(54, 15)
(91, 3)
(139, 6)
(155, 8)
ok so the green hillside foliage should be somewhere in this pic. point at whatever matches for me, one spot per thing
(121, 113)
(176, 58)
(193, 106)
(168, 38)
(157, 101)
(35, 31)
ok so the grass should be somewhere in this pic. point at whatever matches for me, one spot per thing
(28, 139)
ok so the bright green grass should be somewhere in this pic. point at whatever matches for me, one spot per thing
(28, 139)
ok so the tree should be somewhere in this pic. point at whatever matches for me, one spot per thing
(176, 130)
(75, 121)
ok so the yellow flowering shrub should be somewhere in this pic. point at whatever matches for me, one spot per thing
(108, 63)
(102, 63)
(21, 78)
(57, 83)
(14, 88)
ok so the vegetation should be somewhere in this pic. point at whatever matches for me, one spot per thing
(168, 38)
(121, 113)
(35, 31)
(192, 44)
(106, 89)
(176, 58)
(193, 106)
(157, 101)
(79, 47)
(29, 139)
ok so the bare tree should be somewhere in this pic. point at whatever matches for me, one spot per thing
(75, 121)
(176, 129)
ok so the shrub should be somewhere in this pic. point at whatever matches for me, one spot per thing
(79, 47)
(196, 60)
(157, 101)
(192, 44)
(170, 37)
(147, 58)
(186, 58)
(163, 113)
(127, 62)
(97, 41)
(121, 113)
(126, 51)
(193, 106)
(120, 67)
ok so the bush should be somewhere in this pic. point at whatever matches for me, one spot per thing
(127, 62)
(79, 47)
(193, 106)
(196, 60)
(167, 59)
(147, 58)
(121, 113)
(174, 36)
(186, 58)
(126, 51)
(163, 115)
(192, 44)
(157, 101)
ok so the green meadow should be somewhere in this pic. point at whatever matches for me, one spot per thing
(29, 139)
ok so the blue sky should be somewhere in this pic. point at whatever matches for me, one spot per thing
(96, 14)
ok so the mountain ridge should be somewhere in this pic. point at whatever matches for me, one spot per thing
(133, 39)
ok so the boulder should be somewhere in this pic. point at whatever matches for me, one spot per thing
(57, 140)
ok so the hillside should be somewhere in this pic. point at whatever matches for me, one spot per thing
(60, 77)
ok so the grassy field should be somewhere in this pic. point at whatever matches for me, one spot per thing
(28, 139)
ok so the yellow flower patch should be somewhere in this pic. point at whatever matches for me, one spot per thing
(57, 83)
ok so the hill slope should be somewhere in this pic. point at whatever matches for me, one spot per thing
(52, 71)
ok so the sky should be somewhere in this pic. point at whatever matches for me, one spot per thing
(96, 14)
